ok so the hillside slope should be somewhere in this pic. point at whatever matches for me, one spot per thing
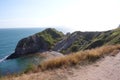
(39, 42)
(87, 40)
(107, 68)
(51, 39)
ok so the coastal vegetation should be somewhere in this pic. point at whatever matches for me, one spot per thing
(79, 48)
(79, 57)
(71, 60)
(52, 39)
(39, 42)
(89, 40)
(51, 36)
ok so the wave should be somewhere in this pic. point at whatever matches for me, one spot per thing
(1, 60)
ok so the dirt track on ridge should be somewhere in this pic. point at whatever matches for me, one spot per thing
(107, 68)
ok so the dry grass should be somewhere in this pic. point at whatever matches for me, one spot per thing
(76, 58)
(70, 60)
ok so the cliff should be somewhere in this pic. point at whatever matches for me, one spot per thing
(87, 40)
(39, 42)
(51, 39)
(75, 41)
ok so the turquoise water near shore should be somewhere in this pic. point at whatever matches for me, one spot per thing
(8, 41)
(10, 37)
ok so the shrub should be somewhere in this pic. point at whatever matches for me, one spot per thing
(74, 48)
(30, 68)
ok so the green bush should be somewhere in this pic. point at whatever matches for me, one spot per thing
(75, 48)
(29, 68)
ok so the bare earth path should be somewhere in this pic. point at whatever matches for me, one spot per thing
(107, 68)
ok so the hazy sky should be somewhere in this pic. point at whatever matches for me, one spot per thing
(84, 15)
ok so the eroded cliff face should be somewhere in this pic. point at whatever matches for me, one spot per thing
(51, 39)
(31, 44)
(87, 40)
(75, 41)
(39, 42)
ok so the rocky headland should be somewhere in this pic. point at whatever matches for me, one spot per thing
(52, 40)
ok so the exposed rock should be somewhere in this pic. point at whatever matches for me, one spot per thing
(51, 39)
(76, 38)
(31, 44)
(65, 43)
(50, 54)
(39, 42)
(87, 40)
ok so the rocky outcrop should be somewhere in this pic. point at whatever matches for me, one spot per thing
(31, 44)
(50, 54)
(51, 39)
(38, 42)
(66, 42)
(77, 38)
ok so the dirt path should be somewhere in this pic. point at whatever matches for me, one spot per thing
(106, 69)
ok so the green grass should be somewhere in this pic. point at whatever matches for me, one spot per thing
(51, 36)
(29, 68)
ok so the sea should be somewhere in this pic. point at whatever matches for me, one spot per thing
(8, 41)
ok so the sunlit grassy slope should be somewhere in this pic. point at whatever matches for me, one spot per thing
(73, 59)
(78, 57)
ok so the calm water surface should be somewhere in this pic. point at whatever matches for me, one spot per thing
(8, 41)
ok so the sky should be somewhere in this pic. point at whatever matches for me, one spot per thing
(83, 15)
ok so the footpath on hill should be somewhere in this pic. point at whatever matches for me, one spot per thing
(107, 68)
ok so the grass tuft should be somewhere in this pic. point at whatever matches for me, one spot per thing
(71, 60)
(31, 68)
(76, 58)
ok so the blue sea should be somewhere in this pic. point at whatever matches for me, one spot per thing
(8, 41)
